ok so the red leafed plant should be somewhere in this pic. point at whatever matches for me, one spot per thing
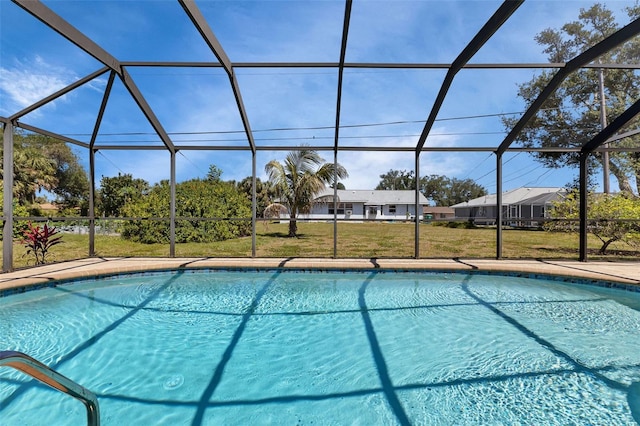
(38, 241)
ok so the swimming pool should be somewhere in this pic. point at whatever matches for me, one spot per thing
(333, 347)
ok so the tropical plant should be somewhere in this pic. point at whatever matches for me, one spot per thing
(298, 181)
(38, 241)
(43, 163)
(611, 218)
(32, 172)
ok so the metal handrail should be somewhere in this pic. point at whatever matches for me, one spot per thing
(46, 375)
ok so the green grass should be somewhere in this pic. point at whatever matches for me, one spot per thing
(355, 240)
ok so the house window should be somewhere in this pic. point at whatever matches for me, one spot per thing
(341, 208)
(392, 209)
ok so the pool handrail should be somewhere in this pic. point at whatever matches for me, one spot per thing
(39, 371)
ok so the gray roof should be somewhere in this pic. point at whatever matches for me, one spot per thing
(539, 196)
(542, 199)
(374, 197)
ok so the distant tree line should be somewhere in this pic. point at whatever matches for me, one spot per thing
(441, 190)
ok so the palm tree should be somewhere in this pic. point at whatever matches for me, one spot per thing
(299, 180)
(32, 171)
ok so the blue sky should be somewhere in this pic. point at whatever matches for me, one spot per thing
(381, 107)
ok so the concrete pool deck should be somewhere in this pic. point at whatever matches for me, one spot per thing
(620, 272)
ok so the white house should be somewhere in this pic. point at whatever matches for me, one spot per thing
(367, 204)
(520, 206)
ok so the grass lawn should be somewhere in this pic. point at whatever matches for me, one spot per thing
(355, 240)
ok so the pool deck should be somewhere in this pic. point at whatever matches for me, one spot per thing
(620, 272)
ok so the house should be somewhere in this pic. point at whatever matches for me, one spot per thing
(367, 204)
(520, 207)
(48, 209)
(442, 213)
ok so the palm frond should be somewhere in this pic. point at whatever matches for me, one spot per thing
(298, 180)
(275, 210)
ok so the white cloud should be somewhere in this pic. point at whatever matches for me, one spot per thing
(365, 168)
(379, 32)
(30, 81)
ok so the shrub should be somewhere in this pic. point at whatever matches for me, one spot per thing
(195, 199)
(20, 226)
(456, 225)
(38, 241)
(611, 217)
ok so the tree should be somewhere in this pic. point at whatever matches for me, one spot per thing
(435, 188)
(459, 191)
(215, 173)
(264, 193)
(44, 163)
(115, 192)
(298, 181)
(32, 171)
(397, 180)
(570, 117)
(611, 218)
(72, 189)
(443, 191)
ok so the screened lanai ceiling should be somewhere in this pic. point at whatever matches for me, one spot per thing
(220, 81)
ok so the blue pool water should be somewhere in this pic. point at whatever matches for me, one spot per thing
(326, 348)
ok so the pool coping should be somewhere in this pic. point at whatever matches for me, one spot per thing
(627, 273)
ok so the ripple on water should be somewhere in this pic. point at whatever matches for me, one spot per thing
(455, 349)
(173, 382)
